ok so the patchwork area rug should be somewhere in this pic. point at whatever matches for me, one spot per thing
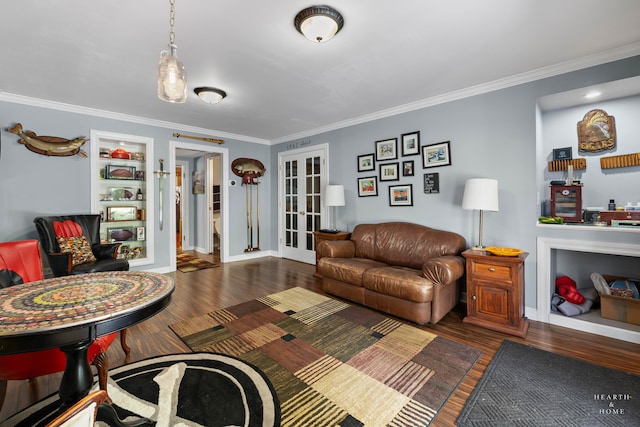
(335, 364)
(526, 386)
(188, 263)
(199, 389)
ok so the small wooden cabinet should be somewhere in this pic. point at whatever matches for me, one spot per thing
(566, 202)
(495, 292)
(320, 237)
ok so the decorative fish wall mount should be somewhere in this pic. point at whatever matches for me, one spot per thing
(49, 145)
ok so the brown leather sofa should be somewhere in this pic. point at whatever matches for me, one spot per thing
(407, 270)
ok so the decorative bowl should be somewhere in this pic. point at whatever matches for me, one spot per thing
(120, 154)
(495, 250)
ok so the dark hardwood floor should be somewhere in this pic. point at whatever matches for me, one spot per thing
(232, 283)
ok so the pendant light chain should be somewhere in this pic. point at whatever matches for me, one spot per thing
(172, 21)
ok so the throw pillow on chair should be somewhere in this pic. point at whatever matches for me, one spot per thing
(78, 247)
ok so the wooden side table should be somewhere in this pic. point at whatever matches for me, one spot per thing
(495, 292)
(321, 237)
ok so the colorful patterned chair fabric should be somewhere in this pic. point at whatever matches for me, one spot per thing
(72, 245)
(21, 261)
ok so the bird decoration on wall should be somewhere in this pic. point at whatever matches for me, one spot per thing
(49, 145)
(596, 132)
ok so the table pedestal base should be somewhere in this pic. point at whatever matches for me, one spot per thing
(77, 378)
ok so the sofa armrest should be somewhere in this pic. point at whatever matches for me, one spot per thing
(336, 249)
(444, 269)
(105, 250)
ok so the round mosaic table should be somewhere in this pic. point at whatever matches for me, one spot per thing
(70, 312)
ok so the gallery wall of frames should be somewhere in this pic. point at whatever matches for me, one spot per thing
(391, 163)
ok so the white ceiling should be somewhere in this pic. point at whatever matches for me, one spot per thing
(391, 56)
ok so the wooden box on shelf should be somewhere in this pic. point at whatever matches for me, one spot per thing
(607, 216)
(495, 292)
(619, 308)
(566, 202)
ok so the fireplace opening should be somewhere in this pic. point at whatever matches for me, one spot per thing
(578, 260)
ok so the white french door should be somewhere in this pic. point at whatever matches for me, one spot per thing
(302, 178)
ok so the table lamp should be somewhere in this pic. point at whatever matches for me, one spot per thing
(480, 194)
(334, 196)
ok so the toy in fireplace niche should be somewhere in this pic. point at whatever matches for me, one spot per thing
(49, 145)
(569, 300)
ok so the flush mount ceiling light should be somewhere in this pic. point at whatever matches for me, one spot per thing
(172, 76)
(210, 95)
(319, 23)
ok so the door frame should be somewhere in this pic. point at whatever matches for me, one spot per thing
(325, 172)
(224, 213)
(184, 205)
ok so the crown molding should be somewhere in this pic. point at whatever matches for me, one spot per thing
(518, 79)
(515, 80)
(70, 108)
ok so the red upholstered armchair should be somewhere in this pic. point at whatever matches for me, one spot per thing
(20, 262)
(72, 245)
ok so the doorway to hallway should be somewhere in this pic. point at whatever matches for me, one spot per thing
(198, 219)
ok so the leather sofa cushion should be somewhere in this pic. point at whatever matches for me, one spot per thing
(404, 244)
(348, 270)
(401, 282)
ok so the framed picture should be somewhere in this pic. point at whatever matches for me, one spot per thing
(432, 183)
(366, 162)
(121, 234)
(401, 195)
(411, 143)
(140, 233)
(197, 182)
(407, 168)
(562, 153)
(436, 155)
(122, 213)
(368, 186)
(389, 172)
(119, 172)
(387, 149)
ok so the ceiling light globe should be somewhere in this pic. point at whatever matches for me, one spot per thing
(319, 23)
(210, 95)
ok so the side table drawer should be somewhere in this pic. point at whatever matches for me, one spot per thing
(491, 270)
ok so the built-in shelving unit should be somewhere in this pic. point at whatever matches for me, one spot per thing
(122, 193)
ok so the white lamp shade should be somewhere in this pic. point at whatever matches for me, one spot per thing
(480, 194)
(334, 195)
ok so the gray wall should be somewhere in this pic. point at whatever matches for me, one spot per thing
(492, 135)
(32, 184)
